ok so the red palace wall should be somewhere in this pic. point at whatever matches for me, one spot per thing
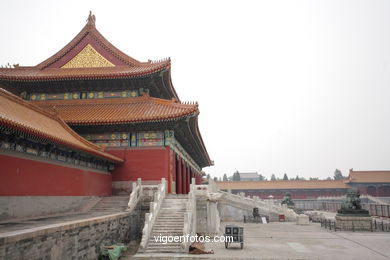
(147, 163)
(24, 177)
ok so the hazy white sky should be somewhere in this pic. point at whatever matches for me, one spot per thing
(296, 87)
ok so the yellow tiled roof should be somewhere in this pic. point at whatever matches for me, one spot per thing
(26, 117)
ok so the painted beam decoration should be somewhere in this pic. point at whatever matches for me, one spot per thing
(19, 142)
(85, 95)
(123, 139)
(119, 139)
(142, 139)
(114, 94)
(150, 139)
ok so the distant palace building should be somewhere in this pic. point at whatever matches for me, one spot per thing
(247, 176)
(374, 183)
(90, 120)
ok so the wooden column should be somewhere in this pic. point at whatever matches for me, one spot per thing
(188, 178)
(179, 189)
(191, 174)
(184, 184)
(173, 171)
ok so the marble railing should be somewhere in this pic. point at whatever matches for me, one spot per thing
(201, 190)
(190, 216)
(331, 197)
(374, 199)
(150, 217)
(265, 207)
(363, 196)
(135, 195)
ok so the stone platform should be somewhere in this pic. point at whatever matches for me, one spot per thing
(303, 219)
(71, 236)
(345, 222)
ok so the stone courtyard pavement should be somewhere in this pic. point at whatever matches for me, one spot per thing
(290, 241)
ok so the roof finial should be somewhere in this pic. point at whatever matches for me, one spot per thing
(55, 111)
(91, 19)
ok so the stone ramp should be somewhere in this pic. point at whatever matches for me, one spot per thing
(169, 222)
(76, 236)
(112, 204)
(105, 206)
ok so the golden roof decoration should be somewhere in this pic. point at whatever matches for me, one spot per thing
(88, 57)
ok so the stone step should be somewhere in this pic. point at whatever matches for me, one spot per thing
(107, 209)
(165, 223)
(169, 218)
(160, 244)
(116, 198)
(172, 207)
(163, 246)
(156, 232)
(99, 208)
(172, 210)
(181, 211)
(165, 231)
(152, 240)
(172, 216)
(170, 229)
(163, 250)
(168, 223)
(110, 206)
(172, 213)
(175, 211)
(113, 202)
(176, 204)
(167, 234)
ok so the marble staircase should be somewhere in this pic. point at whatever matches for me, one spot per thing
(169, 222)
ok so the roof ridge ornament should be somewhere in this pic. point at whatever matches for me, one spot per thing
(91, 19)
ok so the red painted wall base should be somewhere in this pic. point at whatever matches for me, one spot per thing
(25, 177)
(147, 163)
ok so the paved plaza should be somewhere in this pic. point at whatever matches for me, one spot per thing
(290, 241)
